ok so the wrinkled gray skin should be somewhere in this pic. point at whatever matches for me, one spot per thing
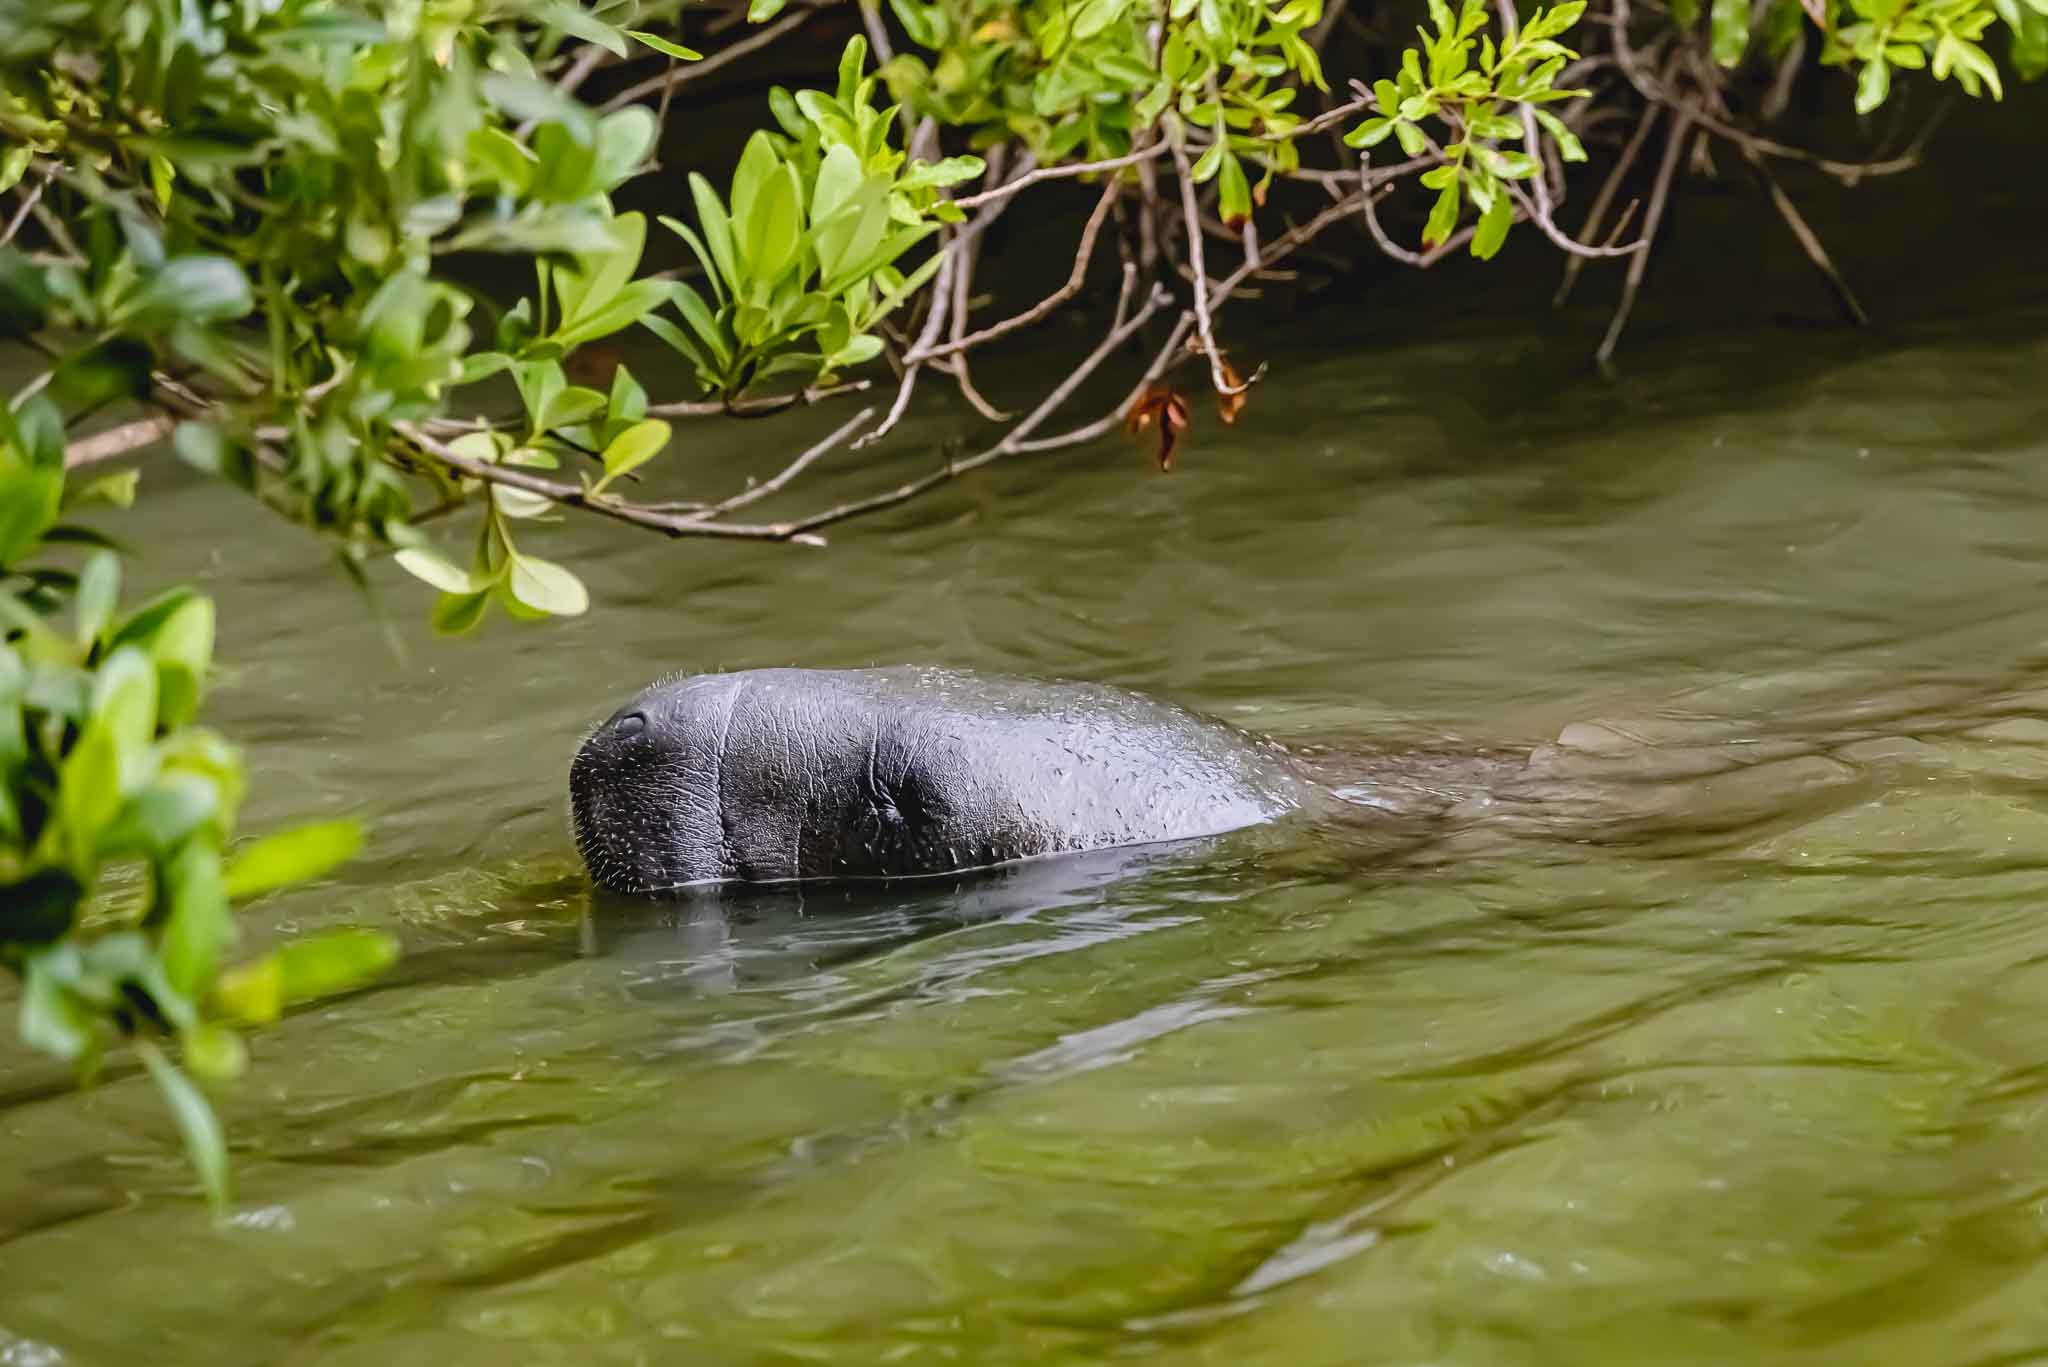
(779, 774)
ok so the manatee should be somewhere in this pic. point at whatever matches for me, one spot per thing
(777, 775)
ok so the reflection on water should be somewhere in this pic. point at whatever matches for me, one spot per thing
(1672, 986)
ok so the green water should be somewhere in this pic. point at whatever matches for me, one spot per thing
(1719, 1034)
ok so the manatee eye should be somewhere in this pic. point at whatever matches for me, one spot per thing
(632, 724)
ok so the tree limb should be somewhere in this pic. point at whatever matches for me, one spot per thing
(1674, 148)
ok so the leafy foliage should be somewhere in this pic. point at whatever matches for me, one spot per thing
(103, 768)
(1438, 81)
(801, 256)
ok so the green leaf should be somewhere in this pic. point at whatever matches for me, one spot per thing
(204, 1143)
(293, 856)
(717, 229)
(1872, 85)
(53, 1018)
(546, 587)
(501, 159)
(860, 348)
(567, 407)
(124, 702)
(197, 925)
(627, 403)
(1730, 28)
(524, 97)
(853, 60)
(839, 177)
(621, 310)
(1555, 22)
(117, 368)
(1443, 219)
(773, 227)
(201, 289)
(574, 21)
(116, 490)
(1371, 133)
(182, 649)
(851, 233)
(663, 45)
(756, 164)
(1510, 165)
(14, 165)
(951, 171)
(30, 499)
(1207, 164)
(24, 295)
(633, 448)
(163, 815)
(99, 586)
(215, 1052)
(1493, 227)
(1973, 59)
(623, 140)
(1235, 200)
(761, 11)
(1095, 16)
(204, 447)
(1568, 145)
(456, 614)
(698, 249)
(252, 993)
(432, 568)
(322, 965)
(1410, 137)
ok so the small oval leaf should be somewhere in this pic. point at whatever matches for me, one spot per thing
(546, 587)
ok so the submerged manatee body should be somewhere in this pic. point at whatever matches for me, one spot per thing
(779, 774)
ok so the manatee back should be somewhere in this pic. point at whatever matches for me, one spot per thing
(892, 772)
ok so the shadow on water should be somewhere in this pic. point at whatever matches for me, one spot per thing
(737, 937)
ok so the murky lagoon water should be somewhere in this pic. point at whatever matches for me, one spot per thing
(1721, 1037)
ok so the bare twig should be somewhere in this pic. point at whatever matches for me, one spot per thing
(878, 35)
(679, 74)
(963, 294)
(590, 59)
(574, 496)
(1421, 260)
(1193, 218)
(31, 196)
(1539, 214)
(1674, 149)
(1605, 199)
(1174, 348)
(942, 299)
(754, 408)
(1017, 439)
(1653, 89)
(1079, 168)
(116, 441)
(59, 235)
(1808, 240)
(1084, 254)
(793, 469)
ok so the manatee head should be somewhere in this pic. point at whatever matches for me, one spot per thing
(643, 788)
(774, 774)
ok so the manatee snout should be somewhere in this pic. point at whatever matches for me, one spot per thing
(772, 775)
(643, 793)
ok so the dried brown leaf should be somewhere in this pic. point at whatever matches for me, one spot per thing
(1165, 409)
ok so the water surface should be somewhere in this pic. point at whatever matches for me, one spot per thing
(1717, 1035)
